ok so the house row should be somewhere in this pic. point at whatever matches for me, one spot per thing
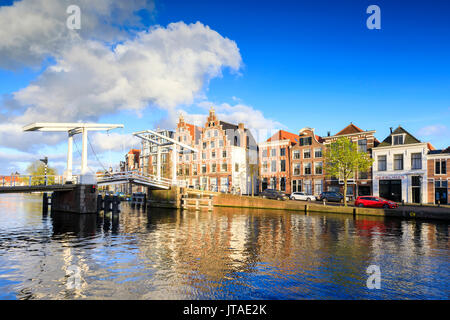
(228, 159)
(404, 168)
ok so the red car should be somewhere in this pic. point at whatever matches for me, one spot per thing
(375, 202)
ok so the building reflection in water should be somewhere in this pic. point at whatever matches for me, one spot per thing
(227, 253)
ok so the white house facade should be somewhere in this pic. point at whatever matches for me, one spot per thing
(400, 168)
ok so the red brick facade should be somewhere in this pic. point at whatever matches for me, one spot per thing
(362, 183)
(275, 161)
(438, 168)
(307, 163)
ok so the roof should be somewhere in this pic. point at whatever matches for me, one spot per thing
(434, 151)
(226, 125)
(350, 129)
(134, 151)
(284, 135)
(409, 138)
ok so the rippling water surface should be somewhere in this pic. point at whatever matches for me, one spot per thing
(225, 254)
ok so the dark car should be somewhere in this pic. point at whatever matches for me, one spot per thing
(273, 194)
(331, 196)
(375, 202)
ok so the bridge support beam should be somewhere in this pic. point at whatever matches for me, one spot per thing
(82, 199)
(69, 157)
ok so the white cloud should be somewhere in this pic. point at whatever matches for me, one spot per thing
(31, 30)
(437, 130)
(116, 142)
(163, 67)
(253, 119)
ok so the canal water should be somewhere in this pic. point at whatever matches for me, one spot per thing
(224, 254)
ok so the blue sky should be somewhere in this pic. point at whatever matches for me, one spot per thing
(303, 64)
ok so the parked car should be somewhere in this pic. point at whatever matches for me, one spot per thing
(274, 194)
(375, 202)
(331, 196)
(302, 196)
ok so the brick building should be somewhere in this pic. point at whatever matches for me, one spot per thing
(361, 184)
(227, 156)
(275, 161)
(307, 163)
(438, 167)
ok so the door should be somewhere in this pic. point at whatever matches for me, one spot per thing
(391, 189)
(441, 196)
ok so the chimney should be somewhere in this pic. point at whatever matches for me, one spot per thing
(329, 133)
(241, 126)
(391, 129)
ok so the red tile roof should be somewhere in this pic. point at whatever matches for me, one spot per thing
(284, 135)
(351, 128)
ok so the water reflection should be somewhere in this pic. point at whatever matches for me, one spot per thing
(225, 254)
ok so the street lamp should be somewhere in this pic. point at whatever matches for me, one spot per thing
(45, 161)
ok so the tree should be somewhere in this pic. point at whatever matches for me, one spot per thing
(343, 160)
(37, 170)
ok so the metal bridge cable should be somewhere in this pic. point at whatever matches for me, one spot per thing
(76, 147)
(96, 155)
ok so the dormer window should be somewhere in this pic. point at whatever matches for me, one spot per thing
(397, 139)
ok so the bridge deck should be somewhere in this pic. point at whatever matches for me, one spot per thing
(27, 189)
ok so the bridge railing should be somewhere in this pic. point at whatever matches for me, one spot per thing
(35, 180)
(132, 175)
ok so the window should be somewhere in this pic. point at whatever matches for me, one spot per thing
(235, 141)
(440, 166)
(282, 152)
(318, 168)
(364, 175)
(220, 143)
(307, 154)
(362, 145)
(194, 170)
(318, 153)
(274, 152)
(194, 156)
(224, 167)
(203, 168)
(398, 161)
(283, 165)
(397, 139)
(204, 145)
(265, 166)
(296, 154)
(213, 154)
(216, 133)
(318, 186)
(306, 141)
(186, 157)
(236, 167)
(416, 161)
(283, 183)
(213, 167)
(186, 170)
(208, 134)
(296, 169)
(307, 168)
(213, 145)
(264, 154)
(224, 154)
(203, 155)
(382, 163)
(273, 166)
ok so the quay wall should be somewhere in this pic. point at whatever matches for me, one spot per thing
(417, 212)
